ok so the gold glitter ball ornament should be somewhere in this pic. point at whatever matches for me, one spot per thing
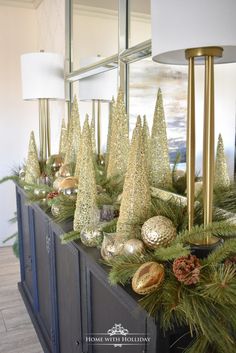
(148, 278)
(158, 231)
(133, 247)
(91, 236)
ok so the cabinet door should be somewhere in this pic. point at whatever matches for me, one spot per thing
(107, 309)
(68, 297)
(43, 304)
(25, 245)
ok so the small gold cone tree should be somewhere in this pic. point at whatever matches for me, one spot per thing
(159, 153)
(86, 205)
(222, 179)
(119, 142)
(112, 109)
(63, 138)
(74, 135)
(93, 132)
(136, 198)
(32, 172)
(146, 142)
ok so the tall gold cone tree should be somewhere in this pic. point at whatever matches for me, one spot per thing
(159, 153)
(112, 109)
(74, 134)
(146, 142)
(80, 153)
(32, 172)
(119, 143)
(222, 179)
(136, 198)
(63, 138)
(93, 132)
(86, 197)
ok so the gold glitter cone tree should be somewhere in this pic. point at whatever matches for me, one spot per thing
(80, 153)
(86, 198)
(112, 109)
(74, 135)
(119, 143)
(93, 132)
(32, 172)
(159, 153)
(146, 142)
(222, 179)
(63, 138)
(136, 198)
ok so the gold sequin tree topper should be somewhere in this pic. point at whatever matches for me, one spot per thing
(222, 179)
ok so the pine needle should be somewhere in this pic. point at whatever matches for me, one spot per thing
(68, 237)
(171, 252)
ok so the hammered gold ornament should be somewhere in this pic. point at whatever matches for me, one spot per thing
(159, 153)
(68, 186)
(91, 236)
(148, 278)
(158, 231)
(119, 141)
(221, 179)
(32, 170)
(74, 135)
(87, 191)
(136, 197)
(133, 247)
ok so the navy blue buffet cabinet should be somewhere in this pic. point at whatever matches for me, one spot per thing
(68, 297)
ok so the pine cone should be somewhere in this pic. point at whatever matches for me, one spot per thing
(230, 260)
(187, 269)
(52, 194)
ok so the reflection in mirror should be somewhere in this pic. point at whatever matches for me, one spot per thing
(140, 21)
(95, 29)
(145, 79)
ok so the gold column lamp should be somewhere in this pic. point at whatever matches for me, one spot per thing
(196, 32)
(98, 89)
(43, 80)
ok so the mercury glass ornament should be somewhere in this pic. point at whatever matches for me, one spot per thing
(133, 247)
(22, 174)
(158, 231)
(56, 183)
(39, 192)
(55, 209)
(148, 278)
(107, 213)
(91, 236)
(65, 170)
(68, 186)
(109, 249)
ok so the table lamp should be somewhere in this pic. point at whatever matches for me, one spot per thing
(43, 79)
(196, 32)
(97, 88)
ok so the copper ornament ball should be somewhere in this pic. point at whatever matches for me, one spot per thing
(148, 278)
(68, 186)
(158, 231)
(133, 247)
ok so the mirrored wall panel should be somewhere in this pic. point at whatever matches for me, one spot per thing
(95, 30)
(140, 21)
(146, 77)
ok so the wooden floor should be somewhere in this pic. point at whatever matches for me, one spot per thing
(17, 334)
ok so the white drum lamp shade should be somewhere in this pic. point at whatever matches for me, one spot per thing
(42, 76)
(185, 24)
(102, 86)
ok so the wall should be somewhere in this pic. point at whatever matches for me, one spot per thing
(18, 32)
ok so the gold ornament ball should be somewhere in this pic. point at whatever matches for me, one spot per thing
(68, 186)
(56, 183)
(91, 237)
(158, 231)
(22, 174)
(148, 278)
(40, 192)
(65, 170)
(55, 162)
(133, 247)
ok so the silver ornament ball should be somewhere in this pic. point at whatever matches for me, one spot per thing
(91, 237)
(133, 247)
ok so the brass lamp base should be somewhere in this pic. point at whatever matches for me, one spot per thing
(208, 144)
(44, 130)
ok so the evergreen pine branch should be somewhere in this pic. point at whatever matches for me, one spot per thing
(222, 252)
(68, 237)
(171, 252)
(109, 227)
(13, 236)
(10, 177)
